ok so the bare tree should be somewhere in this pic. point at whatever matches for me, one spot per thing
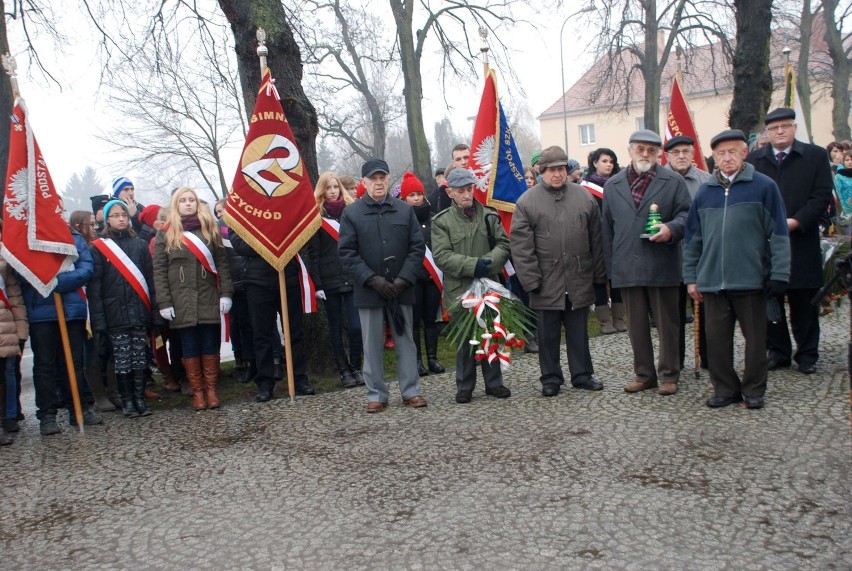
(638, 36)
(454, 33)
(182, 108)
(837, 15)
(752, 78)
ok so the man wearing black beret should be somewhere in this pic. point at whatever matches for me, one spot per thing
(736, 252)
(803, 175)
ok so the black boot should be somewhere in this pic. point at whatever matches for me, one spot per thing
(139, 393)
(278, 368)
(304, 387)
(90, 417)
(347, 379)
(355, 363)
(421, 370)
(250, 373)
(239, 363)
(264, 390)
(432, 351)
(124, 382)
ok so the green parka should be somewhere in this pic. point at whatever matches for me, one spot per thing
(458, 242)
(182, 282)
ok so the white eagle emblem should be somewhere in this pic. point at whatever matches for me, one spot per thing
(483, 155)
(16, 205)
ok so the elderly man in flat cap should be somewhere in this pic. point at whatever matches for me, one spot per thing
(680, 151)
(803, 175)
(736, 252)
(647, 269)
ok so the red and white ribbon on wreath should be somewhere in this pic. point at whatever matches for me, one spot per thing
(478, 305)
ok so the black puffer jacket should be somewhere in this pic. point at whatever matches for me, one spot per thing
(327, 270)
(424, 217)
(257, 271)
(113, 303)
(237, 262)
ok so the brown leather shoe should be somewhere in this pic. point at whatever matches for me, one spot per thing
(376, 406)
(415, 402)
(210, 370)
(196, 381)
(667, 389)
(636, 386)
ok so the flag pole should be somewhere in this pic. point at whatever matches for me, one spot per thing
(696, 327)
(11, 67)
(483, 33)
(262, 52)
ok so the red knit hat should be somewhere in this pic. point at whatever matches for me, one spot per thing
(359, 192)
(410, 183)
(149, 215)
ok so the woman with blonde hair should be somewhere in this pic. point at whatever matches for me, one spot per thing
(334, 286)
(193, 284)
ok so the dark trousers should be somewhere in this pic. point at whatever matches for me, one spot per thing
(336, 304)
(200, 340)
(723, 309)
(241, 336)
(663, 302)
(466, 371)
(50, 376)
(804, 321)
(264, 307)
(427, 301)
(550, 324)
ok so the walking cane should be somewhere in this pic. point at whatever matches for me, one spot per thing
(696, 325)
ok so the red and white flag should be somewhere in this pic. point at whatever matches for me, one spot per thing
(37, 241)
(272, 205)
(679, 122)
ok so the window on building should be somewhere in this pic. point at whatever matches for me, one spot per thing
(587, 134)
(640, 123)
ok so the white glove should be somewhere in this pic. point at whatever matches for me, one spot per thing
(321, 294)
(225, 304)
(168, 313)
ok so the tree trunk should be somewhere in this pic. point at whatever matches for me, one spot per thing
(803, 86)
(403, 13)
(752, 78)
(7, 100)
(285, 62)
(650, 69)
(842, 69)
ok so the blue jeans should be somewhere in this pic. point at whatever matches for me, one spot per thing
(335, 304)
(199, 340)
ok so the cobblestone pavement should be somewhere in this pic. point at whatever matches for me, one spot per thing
(602, 480)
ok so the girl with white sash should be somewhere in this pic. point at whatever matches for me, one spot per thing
(120, 300)
(193, 282)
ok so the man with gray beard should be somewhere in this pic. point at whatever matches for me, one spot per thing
(646, 269)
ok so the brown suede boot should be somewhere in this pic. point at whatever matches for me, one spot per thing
(210, 367)
(169, 382)
(195, 379)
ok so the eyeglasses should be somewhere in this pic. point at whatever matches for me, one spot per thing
(681, 153)
(783, 126)
(118, 215)
(643, 150)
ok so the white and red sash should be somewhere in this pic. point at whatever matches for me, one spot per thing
(4, 297)
(332, 226)
(201, 252)
(594, 189)
(309, 290)
(431, 267)
(125, 266)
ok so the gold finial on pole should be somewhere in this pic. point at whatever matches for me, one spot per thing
(262, 50)
(11, 68)
(483, 34)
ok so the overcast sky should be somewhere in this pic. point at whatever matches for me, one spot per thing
(68, 121)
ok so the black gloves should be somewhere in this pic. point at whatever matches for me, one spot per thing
(400, 285)
(774, 288)
(382, 286)
(601, 296)
(481, 269)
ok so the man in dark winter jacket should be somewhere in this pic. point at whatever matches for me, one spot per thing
(803, 175)
(381, 247)
(736, 248)
(49, 369)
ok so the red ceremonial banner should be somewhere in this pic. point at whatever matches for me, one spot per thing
(272, 205)
(37, 241)
(679, 122)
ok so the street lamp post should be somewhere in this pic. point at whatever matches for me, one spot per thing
(589, 8)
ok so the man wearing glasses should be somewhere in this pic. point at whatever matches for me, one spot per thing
(803, 176)
(647, 269)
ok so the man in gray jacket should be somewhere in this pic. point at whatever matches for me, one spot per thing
(647, 269)
(381, 247)
(556, 251)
